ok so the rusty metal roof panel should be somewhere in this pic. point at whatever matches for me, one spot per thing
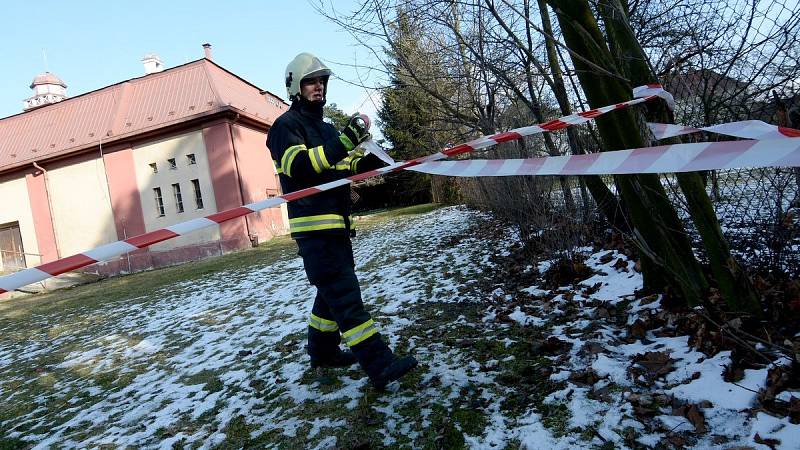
(167, 97)
(244, 96)
(130, 107)
(51, 129)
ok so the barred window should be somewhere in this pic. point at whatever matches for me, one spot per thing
(191, 158)
(172, 164)
(159, 201)
(176, 192)
(198, 196)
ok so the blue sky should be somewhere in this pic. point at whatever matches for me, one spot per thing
(91, 44)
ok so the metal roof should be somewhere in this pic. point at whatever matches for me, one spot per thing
(129, 108)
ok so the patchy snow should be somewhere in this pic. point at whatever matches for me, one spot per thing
(709, 386)
(181, 366)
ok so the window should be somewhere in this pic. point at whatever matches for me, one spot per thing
(191, 159)
(154, 166)
(12, 254)
(198, 196)
(159, 201)
(176, 191)
(172, 164)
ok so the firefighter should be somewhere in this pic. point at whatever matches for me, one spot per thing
(308, 151)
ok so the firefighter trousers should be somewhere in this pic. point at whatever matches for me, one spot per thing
(338, 313)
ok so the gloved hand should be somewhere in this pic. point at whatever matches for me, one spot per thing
(355, 132)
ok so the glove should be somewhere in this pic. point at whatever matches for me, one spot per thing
(355, 132)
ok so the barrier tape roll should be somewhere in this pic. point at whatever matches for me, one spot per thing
(109, 251)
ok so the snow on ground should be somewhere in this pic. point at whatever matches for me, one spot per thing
(203, 362)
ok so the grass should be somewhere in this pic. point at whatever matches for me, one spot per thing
(428, 421)
(140, 285)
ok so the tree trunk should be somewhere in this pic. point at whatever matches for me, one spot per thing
(657, 230)
(732, 280)
(606, 200)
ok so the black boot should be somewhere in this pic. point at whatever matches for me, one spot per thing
(379, 363)
(341, 358)
(394, 371)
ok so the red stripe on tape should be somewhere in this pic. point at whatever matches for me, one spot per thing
(66, 264)
(457, 150)
(301, 193)
(491, 167)
(578, 164)
(654, 85)
(790, 132)
(365, 175)
(641, 159)
(506, 136)
(229, 214)
(532, 165)
(3, 291)
(717, 155)
(554, 125)
(623, 105)
(151, 238)
(592, 113)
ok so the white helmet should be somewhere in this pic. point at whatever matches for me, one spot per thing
(304, 65)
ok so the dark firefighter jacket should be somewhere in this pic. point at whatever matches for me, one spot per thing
(307, 152)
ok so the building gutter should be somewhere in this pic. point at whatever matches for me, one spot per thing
(49, 206)
(253, 238)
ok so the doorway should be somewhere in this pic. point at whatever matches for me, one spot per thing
(12, 253)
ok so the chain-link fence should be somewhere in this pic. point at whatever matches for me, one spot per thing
(758, 211)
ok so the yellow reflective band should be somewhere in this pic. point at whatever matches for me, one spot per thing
(289, 155)
(314, 223)
(354, 165)
(318, 159)
(348, 145)
(358, 334)
(321, 324)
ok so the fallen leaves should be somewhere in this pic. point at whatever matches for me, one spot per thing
(651, 365)
(694, 415)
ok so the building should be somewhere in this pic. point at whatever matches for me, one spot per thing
(136, 156)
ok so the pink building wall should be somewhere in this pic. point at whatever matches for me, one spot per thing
(126, 204)
(225, 179)
(258, 179)
(42, 219)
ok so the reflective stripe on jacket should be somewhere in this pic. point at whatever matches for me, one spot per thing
(308, 151)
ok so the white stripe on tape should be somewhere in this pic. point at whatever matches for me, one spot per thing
(22, 278)
(266, 203)
(482, 142)
(511, 165)
(333, 184)
(767, 153)
(108, 251)
(474, 168)
(553, 165)
(607, 162)
(678, 156)
(191, 225)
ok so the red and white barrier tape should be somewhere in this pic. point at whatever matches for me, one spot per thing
(109, 251)
(662, 159)
(748, 129)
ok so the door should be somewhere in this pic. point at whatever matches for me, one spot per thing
(11, 250)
